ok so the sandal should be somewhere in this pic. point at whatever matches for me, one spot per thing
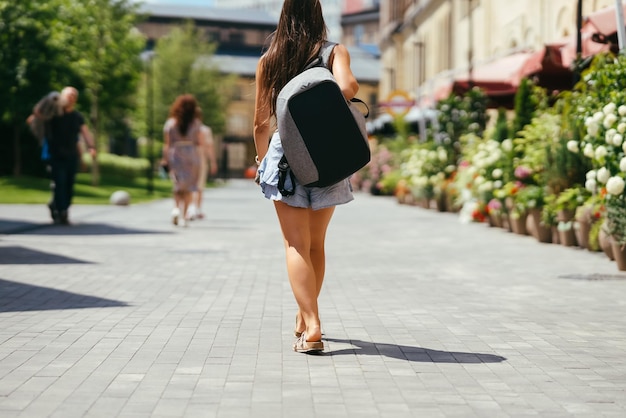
(303, 346)
(297, 333)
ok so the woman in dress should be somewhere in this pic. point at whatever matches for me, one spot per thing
(182, 141)
(304, 216)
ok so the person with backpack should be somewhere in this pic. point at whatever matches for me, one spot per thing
(62, 131)
(303, 216)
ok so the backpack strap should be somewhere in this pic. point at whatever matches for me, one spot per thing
(326, 52)
(323, 59)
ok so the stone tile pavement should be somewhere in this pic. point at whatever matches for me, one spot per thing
(124, 315)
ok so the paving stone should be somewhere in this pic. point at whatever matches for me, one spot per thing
(423, 317)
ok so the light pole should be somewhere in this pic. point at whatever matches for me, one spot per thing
(579, 43)
(148, 58)
(470, 51)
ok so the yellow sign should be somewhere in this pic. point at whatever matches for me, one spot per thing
(398, 103)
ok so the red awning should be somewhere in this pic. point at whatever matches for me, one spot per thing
(603, 21)
(502, 76)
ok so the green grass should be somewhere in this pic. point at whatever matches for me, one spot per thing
(37, 190)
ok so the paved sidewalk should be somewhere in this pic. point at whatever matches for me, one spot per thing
(124, 315)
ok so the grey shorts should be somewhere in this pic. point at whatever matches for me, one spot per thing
(304, 197)
(313, 197)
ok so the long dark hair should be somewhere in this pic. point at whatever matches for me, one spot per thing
(184, 111)
(300, 35)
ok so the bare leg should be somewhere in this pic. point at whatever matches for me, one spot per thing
(319, 220)
(297, 225)
(186, 200)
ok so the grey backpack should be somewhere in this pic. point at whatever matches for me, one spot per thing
(323, 135)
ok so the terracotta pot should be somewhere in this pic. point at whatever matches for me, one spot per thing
(506, 222)
(619, 252)
(605, 243)
(581, 229)
(564, 215)
(542, 233)
(555, 235)
(495, 220)
(567, 238)
(518, 225)
(531, 229)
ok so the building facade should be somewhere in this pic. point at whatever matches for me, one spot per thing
(427, 46)
(241, 35)
(331, 8)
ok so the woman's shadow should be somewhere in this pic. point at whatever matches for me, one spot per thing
(417, 354)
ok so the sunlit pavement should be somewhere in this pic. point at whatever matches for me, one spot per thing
(124, 314)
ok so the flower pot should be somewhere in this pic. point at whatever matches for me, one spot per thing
(495, 219)
(518, 224)
(564, 215)
(581, 229)
(555, 235)
(605, 243)
(567, 236)
(531, 229)
(619, 252)
(542, 233)
(506, 222)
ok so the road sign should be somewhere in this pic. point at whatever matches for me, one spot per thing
(398, 103)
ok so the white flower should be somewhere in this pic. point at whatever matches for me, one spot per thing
(609, 120)
(621, 110)
(591, 174)
(497, 184)
(588, 151)
(603, 175)
(601, 152)
(622, 164)
(608, 136)
(617, 140)
(615, 185)
(593, 128)
(591, 185)
(479, 180)
(598, 116)
(609, 108)
(496, 173)
(621, 128)
(507, 145)
(573, 146)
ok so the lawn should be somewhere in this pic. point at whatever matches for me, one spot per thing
(37, 190)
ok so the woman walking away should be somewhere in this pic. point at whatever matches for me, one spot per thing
(304, 216)
(182, 141)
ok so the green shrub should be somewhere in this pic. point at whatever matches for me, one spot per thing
(116, 166)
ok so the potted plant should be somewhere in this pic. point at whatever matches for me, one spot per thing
(586, 215)
(531, 199)
(549, 218)
(566, 203)
(616, 219)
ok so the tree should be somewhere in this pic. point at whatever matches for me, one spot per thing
(501, 131)
(32, 56)
(104, 46)
(182, 64)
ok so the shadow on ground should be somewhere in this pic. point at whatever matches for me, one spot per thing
(89, 229)
(417, 354)
(22, 255)
(21, 297)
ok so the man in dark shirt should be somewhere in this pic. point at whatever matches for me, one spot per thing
(62, 133)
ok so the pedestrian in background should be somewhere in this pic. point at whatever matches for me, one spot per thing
(182, 141)
(304, 217)
(208, 163)
(62, 133)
